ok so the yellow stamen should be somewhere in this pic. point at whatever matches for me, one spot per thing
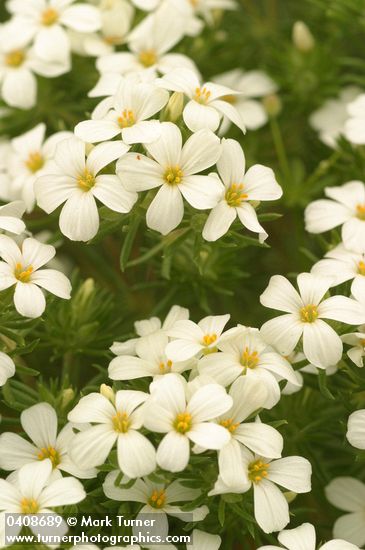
(148, 58)
(49, 17)
(157, 499)
(249, 359)
(34, 162)
(112, 40)
(165, 367)
(86, 180)
(209, 339)
(121, 422)
(51, 453)
(202, 95)
(14, 58)
(22, 274)
(173, 175)
(182, 423)
(228, 423)
(126, 119)
(235, 195)
(309, 313)
(257, 470)
(361, 268)
(360, 211)
(29, 506)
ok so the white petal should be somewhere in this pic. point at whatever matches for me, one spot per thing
(52, 190)
(19, 89)
(351, 526)
(53, 281)
(356, 430)
(292, 472)
(139, 492)
(91, 447)
(136, 454)
(15, 451)
(201, 192)
(321, 344)
(209, 402)
(62, 492)
(346, 493)
(271, 507)
(92, 408)
(283, 333)
(280, 294)
(198, 116)
(105, 153)
(167, 149)
(79, 219)
(166, 210)
(343, 309)
(301, 538)
(82, 18)
(70, 156)
(93, 131)
(260, 438)
(29, 300)
(232, 162)
(219, 221)
(40, 424)
(231, 468)
(313, 287)
(33, 477)
(110, 191)
(146, 131)
(139, 173)
(209, 435)
(323, 215)
(173, 452)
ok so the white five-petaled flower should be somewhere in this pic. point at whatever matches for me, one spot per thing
(270, 505)
(44, 21)
(305, 312)
(184, 418)
(356, 429)
(304, 538)
(114, 423)
(357, 341)
(355, 125)
(33, 490)
(173, 168)
(348, 494)
(147, 327)
(77, 183)
(243, 352)
(40, 424)
(21, 267)
(10, 217)
(206, 104)
(7, 368)
(343, 265)
(132, 105)
(157, 498)
(238, 192)
(346, 208)
(31, 157)
(151, 360)
(191, 339)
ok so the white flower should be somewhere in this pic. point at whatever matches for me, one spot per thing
(347, 208)
(147, 327)
(270, 505)
(7, 368)
(132, 105)
(329, 120)
(45, 20)
(248, 395)
(77, 183)
(10, 215)
(18, 63)
(182, 418)
(206, 104)
(356, 429)
(238, 192)
(149, 44)
(343, 265)
(348, 494)
(40, 424)
(245, 353)
(251, 84)
(357, 341)
(33, 490)
(151, 360)
(21, 268)
(355, 125)
(157, 498)
(114, 423)
(31, 157)
(5, 180)
(173, 168)
(305, 312)
(191, 339)
(304, 538)
(204, 541)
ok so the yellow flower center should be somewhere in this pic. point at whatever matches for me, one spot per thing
(34, 162)
(14, 58)
(360, 211)
(202, 95)
(121, 422)
(209, 339)
(86, 180)
(235, 195)
(362, 342)
(157, 499)
(22, 274)
(309, 313)
(165, 367)
(229, 425)
(49, 17)
(361, 268)
(173, 175)
(257, 471)
(182, 423)
(29, 506)
(249, 359)
(126, 119)
(148, 58)
(194, 3)
(51, 453)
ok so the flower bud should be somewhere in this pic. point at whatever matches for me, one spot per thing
(107, 392)
(272, 105)
(175, 106)
(67, 396)
(302, 37)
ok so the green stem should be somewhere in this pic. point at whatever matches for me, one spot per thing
(280, 149)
